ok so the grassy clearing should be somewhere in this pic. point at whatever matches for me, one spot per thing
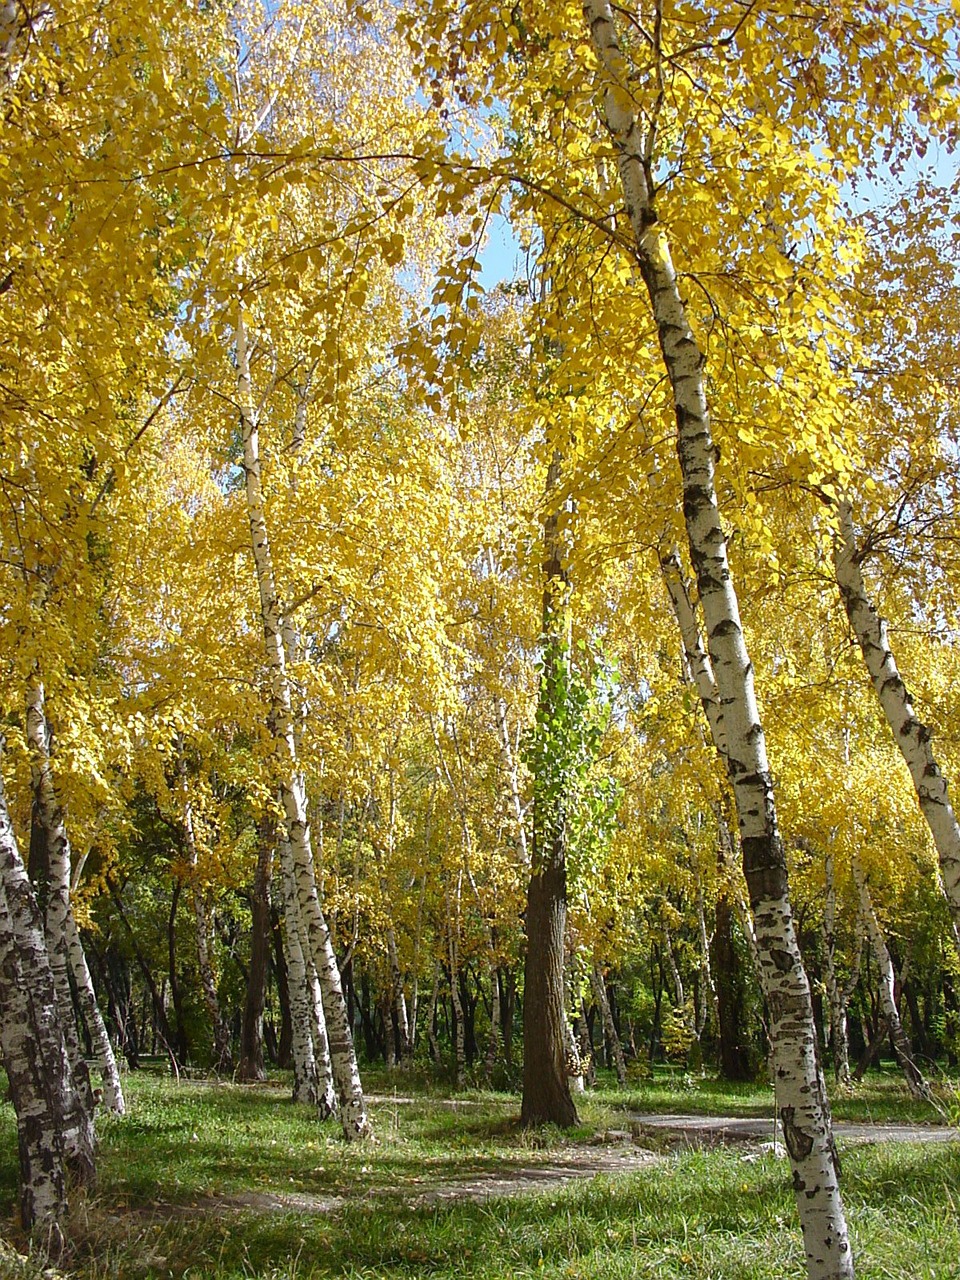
(177, 1171)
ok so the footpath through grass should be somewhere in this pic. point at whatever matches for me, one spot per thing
(212, 1181)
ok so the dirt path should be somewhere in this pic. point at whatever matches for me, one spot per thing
(704, 1131)
(613, 1152)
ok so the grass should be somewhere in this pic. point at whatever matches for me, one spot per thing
(173, 1172)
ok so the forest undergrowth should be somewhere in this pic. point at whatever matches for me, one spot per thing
(208, 1180)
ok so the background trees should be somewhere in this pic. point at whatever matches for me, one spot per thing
(239, 295)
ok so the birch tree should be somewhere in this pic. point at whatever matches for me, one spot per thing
(801, 1096)
(353, 1117)
(913, 738)
(55, 1128)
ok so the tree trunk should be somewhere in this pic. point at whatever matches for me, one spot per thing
(508, 1004)
(801, 1096)
(547, 1037)
(353, 1116)
(493, 1042)
(305, 1082)
(577, 1070)
(459, 1036)
(546, 1088)
(222, 1056)
(54, 1127)
(609, 1027)
(112, 1089)
(326, 1089)
(397, 997)
(432, 1018)
(57, 866)
(176, 995)
(734, 1054)
(913, 738)
(708, 995)
(161, 1023)
(585, 1047)
(251, 1030)
(839, 1038)
(916, 1083)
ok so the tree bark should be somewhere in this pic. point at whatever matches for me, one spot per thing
(176, 993)
(839, 1037)
(112, 1090)
(54, 1127)
(353, 1116)
(251, 1029)
(546, 1089)
(160, 1021)
(57, 910)
(222, 1056)
(459, 1036)
(916, 1083)
(609, 1026)
(801, 1096)
(912, 737)
(548, 1044)
(305, 1081)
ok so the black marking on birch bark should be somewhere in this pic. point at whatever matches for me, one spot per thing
(725, 627)
(759, 780)
(766, 874)
(782, 959)
(895, 685)
(799, 1143)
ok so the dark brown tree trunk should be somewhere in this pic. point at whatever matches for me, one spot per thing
(468, 1004)
(251, 1031)
(918, 1024)
(546, 1087)
(546, 1084)
(176, 995)
(508, 1003)
(728, 978)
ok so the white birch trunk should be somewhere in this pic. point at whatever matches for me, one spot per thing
(460, 1057)
(398, 995)
(697, 659)
(353, 1116)
(398, 999)
(58, 910)
(305, 1081)
(113, 1098)
(801, 1096)
(912, 737)
(326, 1092)
(55, 1130)
(36, 1064)
(916, 1083)
(415, 986)
(699, 670)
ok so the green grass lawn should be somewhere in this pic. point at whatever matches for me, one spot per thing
(175, 1169)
